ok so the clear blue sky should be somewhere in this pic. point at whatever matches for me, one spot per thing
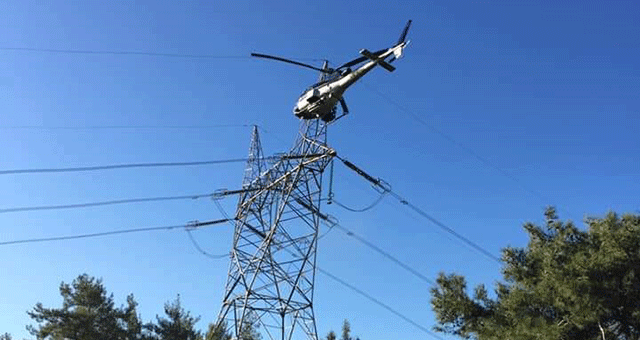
(546, 92)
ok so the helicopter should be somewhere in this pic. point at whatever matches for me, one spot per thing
(321, 99)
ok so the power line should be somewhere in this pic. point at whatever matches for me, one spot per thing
(125, 53)
(379, 303)
(106, 233)
(222, 211)
(203, 57)
(135, 165)
(201, 224)
(385, 254)
(103, 203)
(444, 227)
(359, 210)
(124, 166)
(452, 140)
(477, 156)
(120, 127)
(202, 251)
(387, 188)
(74, 237)
(118, 166)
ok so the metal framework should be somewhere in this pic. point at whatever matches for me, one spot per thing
(271, 276)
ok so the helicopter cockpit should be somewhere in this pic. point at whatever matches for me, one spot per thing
(310, 94)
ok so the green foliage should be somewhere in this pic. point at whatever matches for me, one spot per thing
(249, 330)
(566, 284)
(179, 324)
(346, 330)
(87, 313)
(218, 332)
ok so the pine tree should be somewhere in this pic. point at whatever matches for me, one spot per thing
(179, 324)
(218, 332)
(249, 330)
(346, 330)
(87, 313)
(566, 284)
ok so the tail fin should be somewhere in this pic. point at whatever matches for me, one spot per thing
(403, 36)
(402, 43)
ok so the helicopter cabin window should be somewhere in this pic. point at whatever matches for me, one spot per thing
(312, 95)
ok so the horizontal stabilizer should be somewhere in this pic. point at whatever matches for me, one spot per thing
(378, 60)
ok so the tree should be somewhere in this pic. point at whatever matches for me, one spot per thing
(179, 325)
(248, 332)
(566, 284)
(87, 313)
(5, 336)
(218, 332)
(346, 330)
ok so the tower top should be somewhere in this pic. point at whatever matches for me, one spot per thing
(255, 161)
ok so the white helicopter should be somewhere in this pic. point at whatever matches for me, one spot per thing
(321, 99)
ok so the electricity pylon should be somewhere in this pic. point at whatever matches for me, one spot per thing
(271, 277)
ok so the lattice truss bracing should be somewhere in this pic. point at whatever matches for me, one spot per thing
(272, 272)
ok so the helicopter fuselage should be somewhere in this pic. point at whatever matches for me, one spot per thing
(321, 99)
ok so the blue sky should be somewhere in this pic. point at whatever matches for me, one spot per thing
(497, 110)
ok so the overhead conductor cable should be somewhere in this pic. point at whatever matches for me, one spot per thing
(378, 183)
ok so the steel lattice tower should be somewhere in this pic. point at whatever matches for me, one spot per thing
(271, 276)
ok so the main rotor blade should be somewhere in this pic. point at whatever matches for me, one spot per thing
(266, 56)
(359, 60)
(353, 62)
